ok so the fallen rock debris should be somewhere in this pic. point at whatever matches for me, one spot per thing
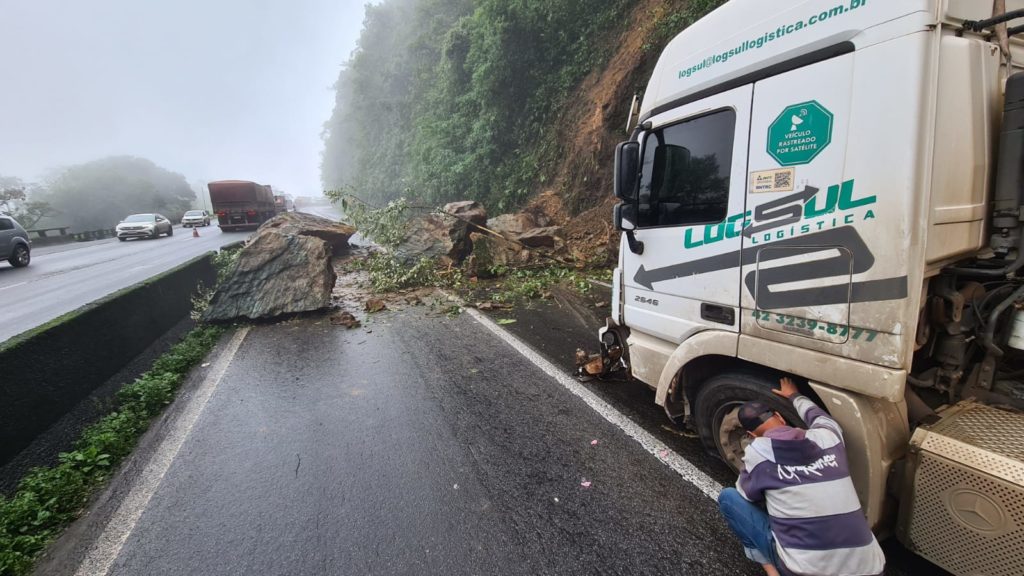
(375, 305)
(284, 269)
(541, 237)
(442, 235)
(490, 306)
(345, 319)
(511, 225)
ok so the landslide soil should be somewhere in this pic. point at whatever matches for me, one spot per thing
(580, 199)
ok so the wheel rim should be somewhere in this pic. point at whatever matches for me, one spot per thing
(730, 438)
(21, 256)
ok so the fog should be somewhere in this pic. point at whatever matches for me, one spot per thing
(212, 89)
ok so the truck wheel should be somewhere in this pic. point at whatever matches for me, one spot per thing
(718, 403)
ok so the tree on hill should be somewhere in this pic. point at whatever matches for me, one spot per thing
(475, 99)
(22, 201)
(98, 194)
(457, 99)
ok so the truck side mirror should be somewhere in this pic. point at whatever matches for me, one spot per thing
(625, 217)
(627, 170)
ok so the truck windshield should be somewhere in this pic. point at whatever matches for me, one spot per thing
(685, 172)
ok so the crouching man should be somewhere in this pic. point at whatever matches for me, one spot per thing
(814, 524)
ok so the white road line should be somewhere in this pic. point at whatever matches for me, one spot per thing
(13, 285)
(106, 549)
(671, 458)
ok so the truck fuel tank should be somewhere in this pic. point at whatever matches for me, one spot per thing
(963, 494)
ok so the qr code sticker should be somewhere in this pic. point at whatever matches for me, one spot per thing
(783, 180)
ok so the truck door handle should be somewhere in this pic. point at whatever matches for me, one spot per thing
(720, 314)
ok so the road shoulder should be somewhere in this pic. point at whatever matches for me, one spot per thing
(66, 554)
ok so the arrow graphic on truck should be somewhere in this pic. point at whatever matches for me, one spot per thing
(854, 258)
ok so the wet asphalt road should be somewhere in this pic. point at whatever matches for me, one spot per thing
(420, 444)
(62, 278)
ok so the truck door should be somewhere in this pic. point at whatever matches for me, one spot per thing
(690, 219)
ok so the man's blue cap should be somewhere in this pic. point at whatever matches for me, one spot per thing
(753, 414)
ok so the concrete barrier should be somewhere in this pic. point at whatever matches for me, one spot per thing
(46, 371)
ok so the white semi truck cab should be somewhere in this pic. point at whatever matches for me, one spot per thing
(833, 190)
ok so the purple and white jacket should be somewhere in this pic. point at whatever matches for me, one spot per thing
(813, 509)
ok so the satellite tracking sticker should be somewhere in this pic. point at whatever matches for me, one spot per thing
(800, 133)
(772, 181)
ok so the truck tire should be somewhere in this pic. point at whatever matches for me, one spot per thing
(717, 402)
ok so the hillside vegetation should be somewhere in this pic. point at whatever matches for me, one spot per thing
(493, 100)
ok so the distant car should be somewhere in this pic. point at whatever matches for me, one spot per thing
(143, 226)
(195, 218)
(15, 246)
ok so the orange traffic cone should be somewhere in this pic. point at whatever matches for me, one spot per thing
(195, 232)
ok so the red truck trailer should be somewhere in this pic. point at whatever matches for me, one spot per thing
(240, 204)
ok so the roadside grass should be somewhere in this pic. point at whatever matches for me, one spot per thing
(50, 498)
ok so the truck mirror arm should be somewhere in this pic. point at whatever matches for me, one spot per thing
(635, 246)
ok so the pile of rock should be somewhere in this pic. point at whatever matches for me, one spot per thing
(512, 240)
(444, 235)
(461, 234)
(284, 269)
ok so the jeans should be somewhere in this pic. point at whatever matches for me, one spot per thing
(750, 524)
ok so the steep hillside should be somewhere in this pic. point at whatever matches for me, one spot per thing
(517, 105)
(580, 198)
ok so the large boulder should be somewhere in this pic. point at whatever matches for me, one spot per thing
(442, 236)
(468, 210)
(285, 269)
(491, 253)
(297, 223)
(512, 225)
(548, 237)
(434, 236)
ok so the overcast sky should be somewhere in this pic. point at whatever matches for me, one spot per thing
(214, 89)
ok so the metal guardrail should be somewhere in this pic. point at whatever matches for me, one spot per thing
(94, 235)
(42, 232)
(60, 235)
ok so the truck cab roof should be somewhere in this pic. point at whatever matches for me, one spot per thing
(745, 40)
